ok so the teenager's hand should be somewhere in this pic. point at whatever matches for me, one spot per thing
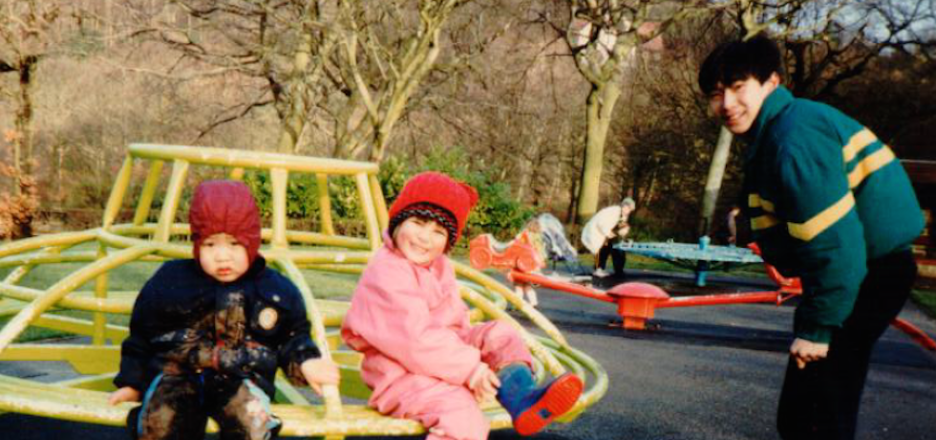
(321, 371)
(808, 351)
(483, 383)
(125, 394)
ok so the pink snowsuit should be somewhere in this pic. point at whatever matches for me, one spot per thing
(419, 347)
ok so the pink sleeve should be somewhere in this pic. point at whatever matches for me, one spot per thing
(393, 317)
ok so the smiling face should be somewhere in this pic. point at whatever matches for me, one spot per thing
(223, 258)
(739, 103)
(420, 240)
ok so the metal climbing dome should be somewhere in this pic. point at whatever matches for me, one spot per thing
(80, 301)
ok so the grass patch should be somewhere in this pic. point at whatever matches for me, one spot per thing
(32, 334)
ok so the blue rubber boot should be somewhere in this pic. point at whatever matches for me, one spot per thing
(533, 407)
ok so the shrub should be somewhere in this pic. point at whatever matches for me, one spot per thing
(302, 197)
(497, 211)
(18, 210)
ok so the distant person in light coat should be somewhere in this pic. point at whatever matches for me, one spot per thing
(605, 229)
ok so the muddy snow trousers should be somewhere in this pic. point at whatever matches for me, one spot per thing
(178, 407)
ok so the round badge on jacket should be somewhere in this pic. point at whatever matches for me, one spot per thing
(267, 318)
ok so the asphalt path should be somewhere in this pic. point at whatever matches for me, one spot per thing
(711, 373)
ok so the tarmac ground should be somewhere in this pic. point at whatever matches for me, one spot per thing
(700, 373)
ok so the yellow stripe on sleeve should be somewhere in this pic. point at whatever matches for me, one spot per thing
(763, 222)
(820, 222)
(869, 165)
(859, 141)
(755, 201)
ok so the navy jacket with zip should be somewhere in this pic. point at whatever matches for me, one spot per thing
(185, 322)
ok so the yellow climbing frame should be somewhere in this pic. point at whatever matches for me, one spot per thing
(94, 352)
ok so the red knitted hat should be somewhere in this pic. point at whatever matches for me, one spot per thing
(437, 196)
(225, 206)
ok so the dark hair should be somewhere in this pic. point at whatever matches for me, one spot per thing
(739, 60)
(432, 212)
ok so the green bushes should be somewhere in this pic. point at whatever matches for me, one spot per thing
(301, 194)
(497, 211)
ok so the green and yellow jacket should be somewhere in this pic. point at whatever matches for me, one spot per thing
(824, 196)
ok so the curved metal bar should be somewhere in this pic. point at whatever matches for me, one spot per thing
(302, 237)
(171, 204)
(106, 305)
(370, 214)
(39, 305)
(149, 190)
(41, 241)
(251, 159)
(530, 311)
(536, 348)
(47, 258)
(117, 193)
(330, 393)
(599, 387)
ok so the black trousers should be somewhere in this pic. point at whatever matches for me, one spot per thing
(821, 401)
(618, 257)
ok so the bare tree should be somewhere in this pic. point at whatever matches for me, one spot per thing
(603, 37)
(841, 48)
(28, 34)
(339, 73)
(509, 107)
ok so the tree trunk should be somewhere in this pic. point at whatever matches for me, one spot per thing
(573, 194)
(600, 107)
(401, 93)
(22, 146)
(713, 184)
(294, 118)
(414, 67)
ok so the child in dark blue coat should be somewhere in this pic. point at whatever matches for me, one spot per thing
(208, 334)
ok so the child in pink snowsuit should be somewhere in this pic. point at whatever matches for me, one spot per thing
(422, 358)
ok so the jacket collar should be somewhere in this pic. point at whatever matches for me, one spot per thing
(774, 104)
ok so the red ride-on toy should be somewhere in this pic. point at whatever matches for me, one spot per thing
(485, 251)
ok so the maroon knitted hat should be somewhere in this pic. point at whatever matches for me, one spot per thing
(436, 196)
(225, 206)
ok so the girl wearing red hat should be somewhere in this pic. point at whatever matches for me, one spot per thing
(422, 357)
(208, 334)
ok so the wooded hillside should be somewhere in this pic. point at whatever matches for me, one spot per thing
(572, 103)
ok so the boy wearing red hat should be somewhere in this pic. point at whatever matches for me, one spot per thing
(208, 334)
(422, 357)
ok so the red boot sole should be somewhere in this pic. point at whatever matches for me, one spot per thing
(558, 400)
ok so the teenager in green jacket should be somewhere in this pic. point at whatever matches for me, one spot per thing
(828, 203)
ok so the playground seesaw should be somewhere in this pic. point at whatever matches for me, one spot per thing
(82, 302)
(637, 302)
